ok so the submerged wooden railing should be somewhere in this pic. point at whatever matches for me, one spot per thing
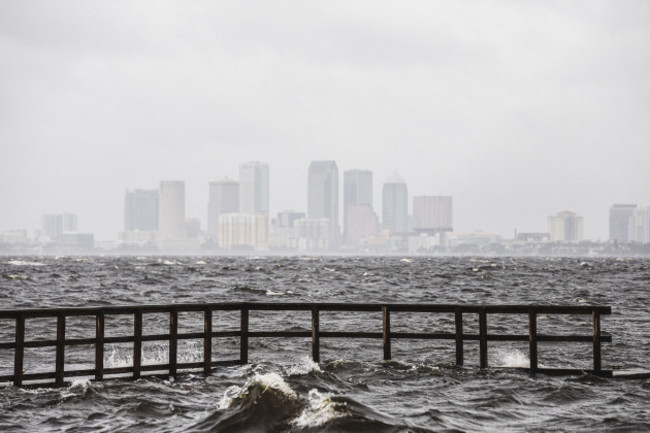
(100, 340)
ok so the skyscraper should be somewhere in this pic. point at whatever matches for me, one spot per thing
(171, 214)
(55, 225)
(224, 199)
(254, 188)
(357, 187)
(359, 218)
(432, 214)
(565, 227)
(641, 225)
(141, 210)
(621, 222)
(323, 195)
(395, 204)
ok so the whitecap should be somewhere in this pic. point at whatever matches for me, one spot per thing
(406, 260)
(321, 410)
(305, 365)
(266, 381)
(512, 358)
(24, 263)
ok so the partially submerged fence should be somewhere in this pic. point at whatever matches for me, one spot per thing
(172, 336)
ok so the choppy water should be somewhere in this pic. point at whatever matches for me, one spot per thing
(351, 389)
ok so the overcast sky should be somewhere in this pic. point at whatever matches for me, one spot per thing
(517, 109)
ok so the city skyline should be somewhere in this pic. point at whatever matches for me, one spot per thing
(516, 110)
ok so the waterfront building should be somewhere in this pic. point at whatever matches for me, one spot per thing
(432, 214)
(223, 199)
(243, 231)
(254, 188)
(323, 197)
(141, 210)
(54, 225)
(312, 234)
(565, 227)
(395, 204)
(171, 213)
(621, 222)
(360, 221)
(357, 190)
(641, 225)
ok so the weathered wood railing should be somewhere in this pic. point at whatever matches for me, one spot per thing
(100, 372)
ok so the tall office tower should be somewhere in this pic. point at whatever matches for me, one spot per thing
(565, 227)
(395, 204)
(433, 214)
(224, 199)
(171, 213)
(357, 190)
(141, 210)
(641, 225)
(254, 188)
(323, 196)
(621, 222)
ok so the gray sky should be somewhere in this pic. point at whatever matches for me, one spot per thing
(517, 109)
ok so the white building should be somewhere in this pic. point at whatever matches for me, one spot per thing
(243, 231)
(565, 227)
(254, 188)
(433, 214)
(171, 213)
(312, 234)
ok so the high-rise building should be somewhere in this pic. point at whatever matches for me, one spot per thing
(565, 227)
(254, 188)
(55, 225)
(395, 204)
(141, 210)
(323, 196)
(357, 187)
(243, 231)
(432, 214)
(641, 225)
(360, 221)
(621, 222)
(171, 213)
(224, 199)
(357, 190)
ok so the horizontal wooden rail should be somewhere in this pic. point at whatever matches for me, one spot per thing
(244, 334)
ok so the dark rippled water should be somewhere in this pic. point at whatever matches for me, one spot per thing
(351, 389)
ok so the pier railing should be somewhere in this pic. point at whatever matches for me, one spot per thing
(98, 315)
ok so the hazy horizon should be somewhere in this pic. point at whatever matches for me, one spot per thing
(516, 110)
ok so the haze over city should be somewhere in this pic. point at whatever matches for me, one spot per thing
(516, 110)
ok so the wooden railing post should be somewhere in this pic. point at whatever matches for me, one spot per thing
(19, 354)
(385, 313)
(596, 330)
(482, 324)
(99, 345)
(243, 349)
(315, 334)
(207, 341)
(60, 348)
(173, 341)
(137, 343)
(532, 340)
(458, 317)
